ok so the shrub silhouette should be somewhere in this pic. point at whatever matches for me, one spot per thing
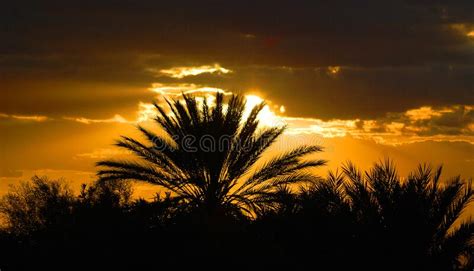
(36, 205)
(43, 218)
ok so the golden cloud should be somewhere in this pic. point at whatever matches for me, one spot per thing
(181, 72)
(425, 113)
(36, 118)
(449, 123)
(452, 123)
(179, 89)
(115, 119)
(101, 153)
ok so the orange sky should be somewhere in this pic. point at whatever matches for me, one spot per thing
(68, 146)
(375, 81)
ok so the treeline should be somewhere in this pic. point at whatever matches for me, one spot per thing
(346, 221)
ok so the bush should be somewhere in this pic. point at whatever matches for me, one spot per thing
(36, 205)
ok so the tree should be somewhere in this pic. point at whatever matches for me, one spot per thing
(412, 222)
(207, 156)
(36, 205)
(106, 194)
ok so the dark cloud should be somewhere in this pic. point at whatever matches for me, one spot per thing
(425, 122)
(459, 121)
(285, 32)
(394, 55)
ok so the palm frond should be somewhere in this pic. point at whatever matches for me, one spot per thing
(210, 178)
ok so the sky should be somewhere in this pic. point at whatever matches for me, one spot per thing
(367, 80)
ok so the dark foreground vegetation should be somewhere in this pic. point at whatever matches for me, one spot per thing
(221, 210)
(346, 221)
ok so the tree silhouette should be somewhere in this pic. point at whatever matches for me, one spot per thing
(43, 217)
(106, 194)
(374, 220)
(36, 205)
(207, 155)
(412, 222)
(349, 220)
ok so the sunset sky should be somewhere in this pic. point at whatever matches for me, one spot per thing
(365, 79)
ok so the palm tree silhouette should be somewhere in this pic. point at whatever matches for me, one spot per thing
(207, 156)
(416, 218)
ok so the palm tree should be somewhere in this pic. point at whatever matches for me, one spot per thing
(414, 222)
(207, 156)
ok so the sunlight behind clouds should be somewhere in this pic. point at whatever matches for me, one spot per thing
(181, 72)
(453, 123)
(266, 117)
(425, 113)
(425, 123)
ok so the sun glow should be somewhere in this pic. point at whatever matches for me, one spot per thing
(334, 70)
(266, 117)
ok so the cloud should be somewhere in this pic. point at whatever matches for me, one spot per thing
(177, 89)
(453, 123)
(308, 33)
(425, 113)
(115, 119)
(427, 120)
(4, 172)
(101, 153)
(328, 129)
(35, 118)
(447, 123)
(181, 72)
(463, 29)
(147, 111)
